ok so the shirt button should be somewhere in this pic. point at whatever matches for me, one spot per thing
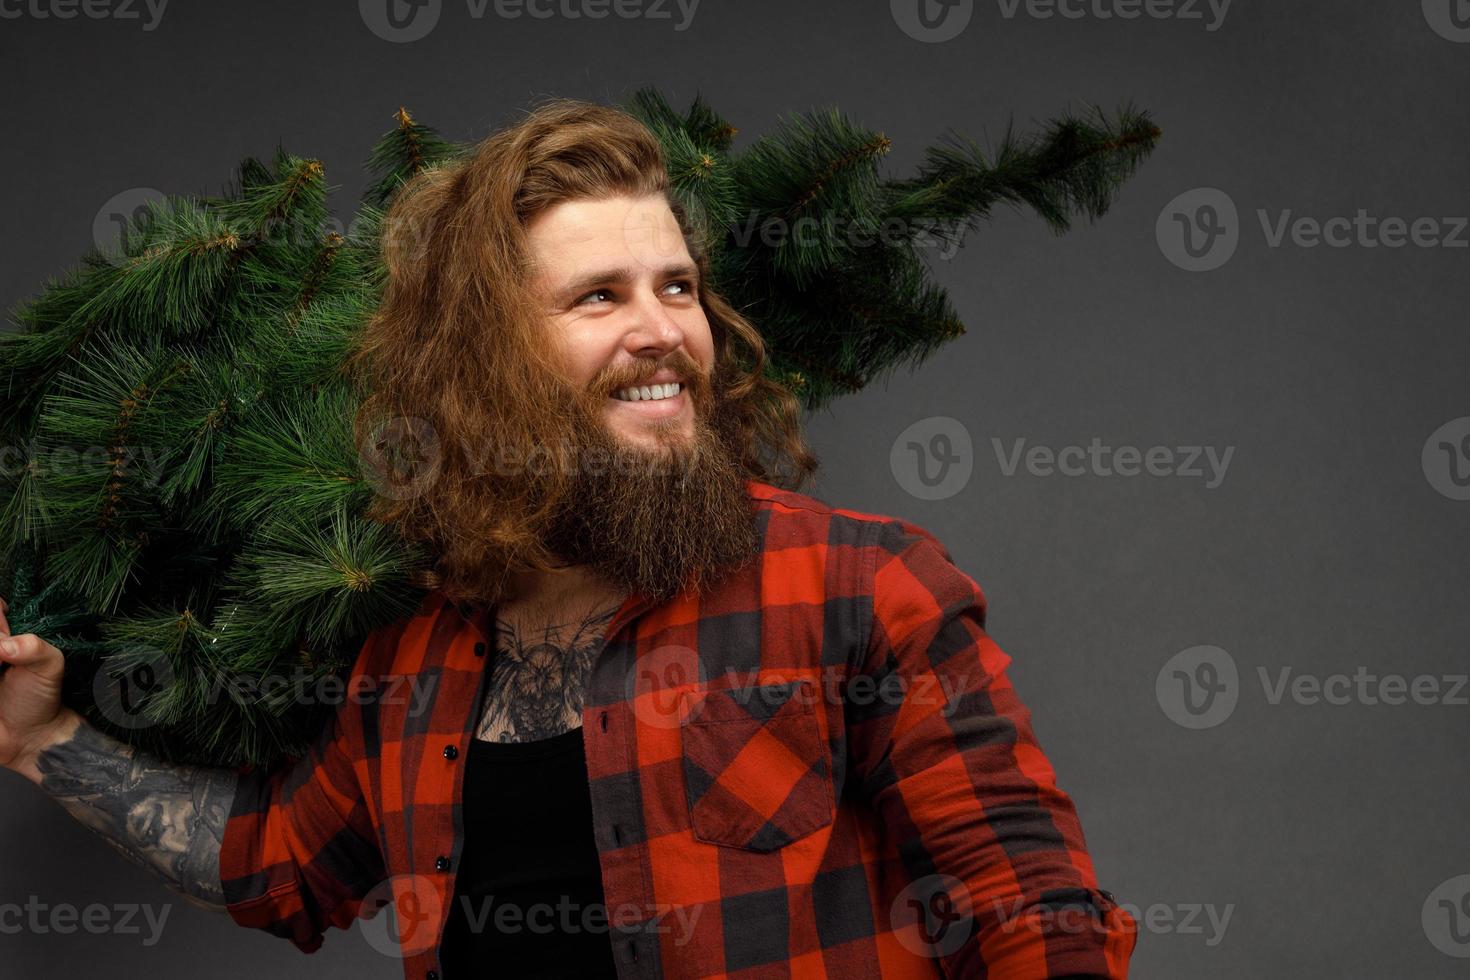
(431, 975)
(441, 863)
(451, 752)
(479, 649)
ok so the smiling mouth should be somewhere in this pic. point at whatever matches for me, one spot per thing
(659, 409)
(649, 393)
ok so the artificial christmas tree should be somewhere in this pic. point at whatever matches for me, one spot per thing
(215, 537)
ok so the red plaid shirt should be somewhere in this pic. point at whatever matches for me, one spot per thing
(818, 768)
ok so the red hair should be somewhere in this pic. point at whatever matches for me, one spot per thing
(459, 341)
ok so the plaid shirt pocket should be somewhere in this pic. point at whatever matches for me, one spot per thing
(756, 770)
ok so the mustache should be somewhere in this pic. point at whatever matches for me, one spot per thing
(679, 363)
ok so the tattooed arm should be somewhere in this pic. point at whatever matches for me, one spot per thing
(168, 818)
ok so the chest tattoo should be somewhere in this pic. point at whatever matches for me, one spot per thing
(538, 679)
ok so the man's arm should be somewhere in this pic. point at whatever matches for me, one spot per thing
(951, 764)
(168, 818)
(292, 849)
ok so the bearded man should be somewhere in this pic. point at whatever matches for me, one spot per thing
(685, 720)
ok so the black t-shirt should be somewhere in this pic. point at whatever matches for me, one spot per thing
(528, 898)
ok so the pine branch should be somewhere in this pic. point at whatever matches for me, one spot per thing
(1076, 165)
(403, 152)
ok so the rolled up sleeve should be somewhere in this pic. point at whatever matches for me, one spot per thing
(954, 770)
(300, 851)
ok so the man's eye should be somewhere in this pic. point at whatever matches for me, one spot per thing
(594, 292)
(687, 284)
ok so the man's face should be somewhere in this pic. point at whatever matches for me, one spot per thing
(622, 296)
(658, 501)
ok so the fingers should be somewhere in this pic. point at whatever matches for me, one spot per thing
(29, 650)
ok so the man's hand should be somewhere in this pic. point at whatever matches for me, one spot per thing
(31, 713)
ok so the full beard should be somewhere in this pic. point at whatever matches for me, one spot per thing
(662, 520)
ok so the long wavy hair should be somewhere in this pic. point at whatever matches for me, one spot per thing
(459, 344)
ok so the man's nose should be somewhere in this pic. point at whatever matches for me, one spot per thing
(653, 326)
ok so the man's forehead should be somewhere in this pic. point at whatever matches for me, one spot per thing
(623, 233)
(578, 219)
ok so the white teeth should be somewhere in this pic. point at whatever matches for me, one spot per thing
(648, 393)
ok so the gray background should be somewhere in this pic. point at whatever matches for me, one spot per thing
(1326, 548)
